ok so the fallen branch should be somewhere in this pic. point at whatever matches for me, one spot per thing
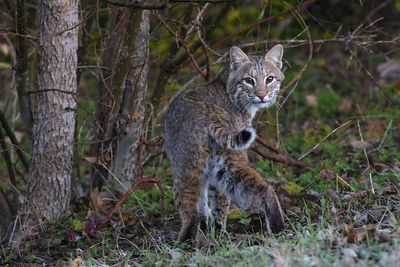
(281, 157)
(267, 144)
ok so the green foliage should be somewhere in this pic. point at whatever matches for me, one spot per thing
(293, 188)
(328, 102)
(77, 224)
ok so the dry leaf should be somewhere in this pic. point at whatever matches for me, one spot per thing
(76, 262)
(375, 130)
(96, 198)
(351, 235)
(364, 233)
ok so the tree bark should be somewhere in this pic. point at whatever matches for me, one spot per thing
(54, 112)
(116, 61)
(132, 118)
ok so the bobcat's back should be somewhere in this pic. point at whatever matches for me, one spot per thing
(187, 122)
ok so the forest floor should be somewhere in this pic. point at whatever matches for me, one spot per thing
(340, 229)
(345, 211)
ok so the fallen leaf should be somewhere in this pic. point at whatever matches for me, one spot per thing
(76, 262)
(375, 130)
(357, 235)
(96, 198)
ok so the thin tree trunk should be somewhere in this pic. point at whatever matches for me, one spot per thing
(116, 61)
(21, 69)
(132, 118)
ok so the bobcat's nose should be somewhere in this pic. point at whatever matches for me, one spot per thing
(261, 95)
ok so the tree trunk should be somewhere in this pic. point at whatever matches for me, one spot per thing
(54, 112)
(21, 69)
(132, 118)
(116, 61)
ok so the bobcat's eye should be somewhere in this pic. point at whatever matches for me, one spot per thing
(249, 81)
(269, 79)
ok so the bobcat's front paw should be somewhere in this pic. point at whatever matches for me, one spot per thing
(245, 138)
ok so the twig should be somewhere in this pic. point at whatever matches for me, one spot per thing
(158, 6)
(366, 157)
(10, 167)
(344, 182)
(182, 42)
(386, 132)
(154, 6)
(13, 140)
(323, 139)
(258, 23)
(310, 52)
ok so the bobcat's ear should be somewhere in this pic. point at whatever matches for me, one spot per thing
(275, 55)
(238, 57)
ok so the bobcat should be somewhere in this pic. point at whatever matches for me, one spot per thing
(207, 131)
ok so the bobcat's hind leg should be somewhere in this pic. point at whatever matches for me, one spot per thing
(186, 197)
(219, 205)
(248, 190)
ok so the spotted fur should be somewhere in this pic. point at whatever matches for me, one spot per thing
(207, 131)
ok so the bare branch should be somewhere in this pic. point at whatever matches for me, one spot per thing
(157, 5)
(13, 140)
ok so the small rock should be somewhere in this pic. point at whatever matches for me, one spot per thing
(349, 253)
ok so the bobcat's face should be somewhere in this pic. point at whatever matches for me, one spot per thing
(254, 83)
